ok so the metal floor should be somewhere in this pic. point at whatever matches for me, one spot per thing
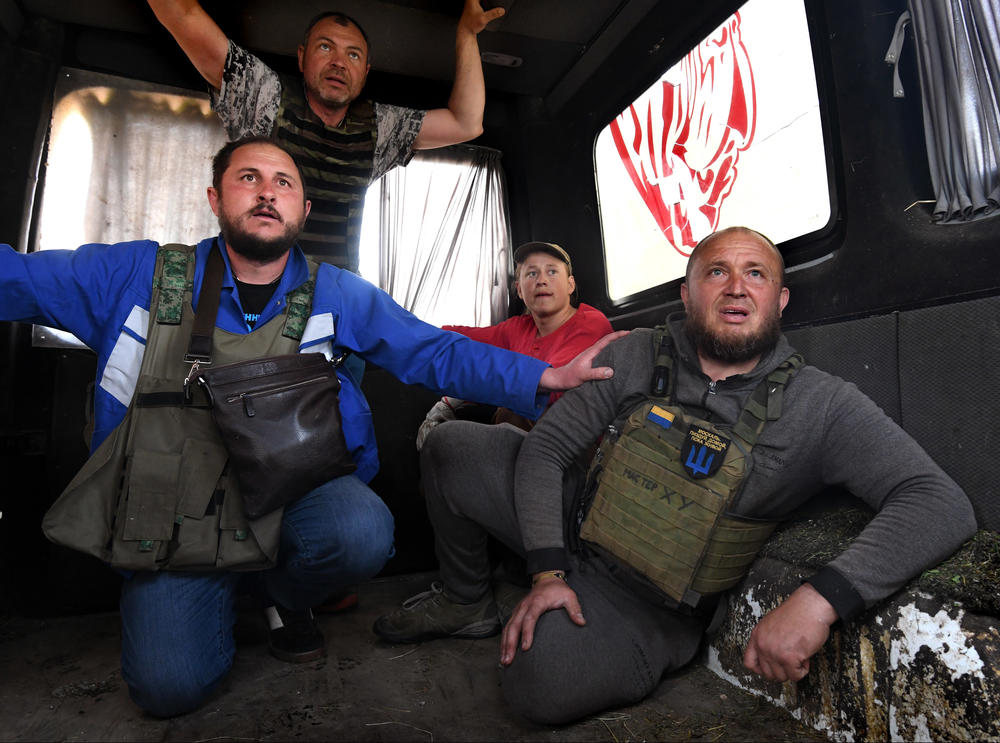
(60, 680)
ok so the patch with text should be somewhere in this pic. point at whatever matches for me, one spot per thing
(703, 452)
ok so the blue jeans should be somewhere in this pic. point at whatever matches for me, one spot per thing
(177, 627)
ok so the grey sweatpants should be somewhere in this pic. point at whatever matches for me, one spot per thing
(627, 644)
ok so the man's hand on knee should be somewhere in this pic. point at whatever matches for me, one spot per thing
(788, 636)
(546, 594)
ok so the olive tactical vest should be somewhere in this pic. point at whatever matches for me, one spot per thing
(663, 488)
(155, 494)
(337, 167)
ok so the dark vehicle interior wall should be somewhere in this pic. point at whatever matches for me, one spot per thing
(883, 256)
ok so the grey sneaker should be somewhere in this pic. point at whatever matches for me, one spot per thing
(432, 614)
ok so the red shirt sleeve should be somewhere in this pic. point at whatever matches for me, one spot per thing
(580, 332)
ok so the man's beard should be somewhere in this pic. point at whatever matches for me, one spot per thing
(254, 248)
(332, 99)
(736, 348)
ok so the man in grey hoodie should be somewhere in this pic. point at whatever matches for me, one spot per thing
(584, 639)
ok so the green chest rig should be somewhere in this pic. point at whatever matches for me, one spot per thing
(664, 487)
(156, 494)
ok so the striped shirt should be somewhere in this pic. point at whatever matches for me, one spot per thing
(337, 163)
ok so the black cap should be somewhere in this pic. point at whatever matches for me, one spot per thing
(523, 251)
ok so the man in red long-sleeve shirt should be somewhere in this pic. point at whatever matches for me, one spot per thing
(551, 329)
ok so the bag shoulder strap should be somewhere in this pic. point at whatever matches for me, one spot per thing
(200, 345)
(174, 278)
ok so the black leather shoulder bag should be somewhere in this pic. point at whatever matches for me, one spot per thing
(278, 416)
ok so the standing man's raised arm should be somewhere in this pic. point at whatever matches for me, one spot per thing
(197, 34)
(463, 119)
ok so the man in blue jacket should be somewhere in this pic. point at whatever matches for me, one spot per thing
(177, 627)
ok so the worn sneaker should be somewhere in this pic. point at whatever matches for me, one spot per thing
(294, 635)
(432, 614)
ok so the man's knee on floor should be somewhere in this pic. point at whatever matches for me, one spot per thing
(544, 683)
(170, 692)
(571, 672)
(539, 695)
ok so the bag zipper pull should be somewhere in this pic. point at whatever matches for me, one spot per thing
(188, 396)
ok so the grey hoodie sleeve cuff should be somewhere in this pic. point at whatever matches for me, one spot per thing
(836, 589)
(551, 558)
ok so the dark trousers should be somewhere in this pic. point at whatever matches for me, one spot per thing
(627, 644)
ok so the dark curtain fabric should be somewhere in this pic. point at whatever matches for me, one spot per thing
(958, 57)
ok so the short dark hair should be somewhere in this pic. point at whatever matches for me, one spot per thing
(728, 230)
(220, 163)
(341, 19)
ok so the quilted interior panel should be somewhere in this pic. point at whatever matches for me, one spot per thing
(860, 351)
(949, 361)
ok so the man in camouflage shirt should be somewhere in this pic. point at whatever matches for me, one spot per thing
(342, 143)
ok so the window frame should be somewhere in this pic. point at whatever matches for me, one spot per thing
(800, 253)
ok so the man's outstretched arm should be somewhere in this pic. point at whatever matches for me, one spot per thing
(197, 34)
(580, 369)
(463, 119)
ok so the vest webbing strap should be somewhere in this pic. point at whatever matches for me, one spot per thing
(763, 405)
(766, 400)
(172, 282)
(298, 306)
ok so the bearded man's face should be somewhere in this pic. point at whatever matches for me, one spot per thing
(260, 202)
(734, 297)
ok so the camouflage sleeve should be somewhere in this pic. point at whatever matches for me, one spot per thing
(397, 129)
(247, 102)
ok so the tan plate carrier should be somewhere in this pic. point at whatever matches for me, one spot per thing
(648, 511)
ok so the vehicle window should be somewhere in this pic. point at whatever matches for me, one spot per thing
(126, 160)
(730, 135)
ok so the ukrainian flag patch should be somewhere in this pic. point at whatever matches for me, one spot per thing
(661, 417)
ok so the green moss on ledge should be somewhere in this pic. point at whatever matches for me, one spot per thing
(813, 542)
(971, 576)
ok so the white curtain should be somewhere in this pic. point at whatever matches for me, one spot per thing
(958, 55)
(127, 161)
(444, 236)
